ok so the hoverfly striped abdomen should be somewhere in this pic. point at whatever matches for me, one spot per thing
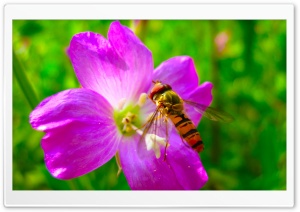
(187, 130)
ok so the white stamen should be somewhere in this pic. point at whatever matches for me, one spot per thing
(140, 132)
(153, 142)
(142, 99)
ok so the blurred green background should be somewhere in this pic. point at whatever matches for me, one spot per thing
(244, 59)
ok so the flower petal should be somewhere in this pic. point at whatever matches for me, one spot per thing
(97, 66)
(137, 56)
(118, 68)
(78, 148)
(80, 132)
(182, 168)
(180, 73)
(146, 172)
(201, 95)
(186, 164)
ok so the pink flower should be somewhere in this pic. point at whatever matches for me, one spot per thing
(221, 40)
(84, 127)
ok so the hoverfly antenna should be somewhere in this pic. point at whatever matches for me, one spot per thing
(156, 81)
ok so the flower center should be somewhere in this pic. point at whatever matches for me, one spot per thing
(129, 116)
(130, 119)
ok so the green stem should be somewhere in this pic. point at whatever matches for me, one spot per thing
(19, 72)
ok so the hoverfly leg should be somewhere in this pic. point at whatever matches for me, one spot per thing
(165, 154)
(167, 137)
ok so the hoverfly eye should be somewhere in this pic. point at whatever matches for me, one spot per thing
(168, 87)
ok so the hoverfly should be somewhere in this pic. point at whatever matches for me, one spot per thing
(170, 106)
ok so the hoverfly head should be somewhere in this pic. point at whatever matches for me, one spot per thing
(158, 88)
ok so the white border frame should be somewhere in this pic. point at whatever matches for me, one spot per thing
(147, 198)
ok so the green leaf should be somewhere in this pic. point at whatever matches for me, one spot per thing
(19, 72)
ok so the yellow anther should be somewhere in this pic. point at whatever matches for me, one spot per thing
(142, 99)
(127, 120)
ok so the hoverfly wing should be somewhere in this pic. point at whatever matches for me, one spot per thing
(156, 127)
(149, 124)
(210, 112)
